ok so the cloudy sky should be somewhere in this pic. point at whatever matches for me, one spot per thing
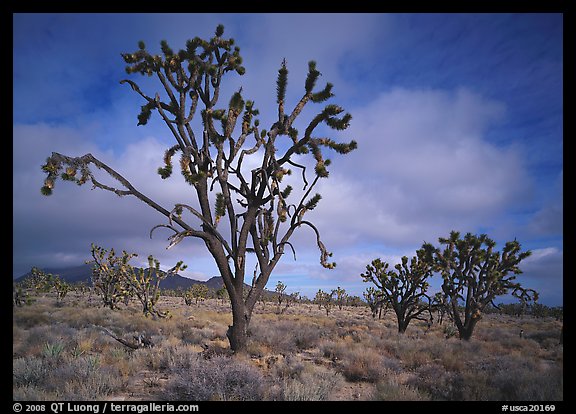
(458, 119)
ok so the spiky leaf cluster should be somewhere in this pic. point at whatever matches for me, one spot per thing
(404, 288)
(324, 300)
(197, 292)
(260, 218)
(474, 274)
(116, 280)
(54, 169)
(42, 282)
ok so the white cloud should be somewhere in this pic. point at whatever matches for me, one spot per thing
(56, 230)
(423, 167)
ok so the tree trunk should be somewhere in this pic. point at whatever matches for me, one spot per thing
(465, 332)
(402, 325)
(238, 332)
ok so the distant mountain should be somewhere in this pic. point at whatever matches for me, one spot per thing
(73, 274)
(83, 274)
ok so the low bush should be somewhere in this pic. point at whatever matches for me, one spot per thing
(217, 379)
(315, 384)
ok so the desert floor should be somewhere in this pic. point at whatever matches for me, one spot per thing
(63, 353)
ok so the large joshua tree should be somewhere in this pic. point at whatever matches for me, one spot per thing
(260, 217)
(474, 274)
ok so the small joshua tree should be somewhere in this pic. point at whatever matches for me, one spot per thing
(116, 280)
(324, 300)
(20, 296)
(108, 276)
(279, 294)
(404, 289)
(61, 288)
(145, 284)
(440, 304)
(196, 292)
(376, 302)
(340, 296)
(260, 217)
(42, 282)
(39, 281)
(222, 294)
(474, 274)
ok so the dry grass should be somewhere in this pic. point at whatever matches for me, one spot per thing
(62, 353)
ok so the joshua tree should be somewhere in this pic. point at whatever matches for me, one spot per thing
(376, 302)
(222, 294)
(61, 288)
(196, 292)
(279, 291)
(404, 289)
(107, 276)
(324, 300)
(39, 281)
(116, 279)
(474, 274)
(145, 284)
(340, 296)
(440, 304)
(260, 217)
(20, 296)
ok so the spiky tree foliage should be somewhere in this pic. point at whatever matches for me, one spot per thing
(260, 216)
(145, 283)
(376, 301)
(222, 294)
(324, 300)
(404, 288)
(20, 296)
(196, 292)
(39, 281)
(116, 280)
(279, 295)
(108, 275)
(474, 273)
(340, 296)
(440, 304)
(61, 288)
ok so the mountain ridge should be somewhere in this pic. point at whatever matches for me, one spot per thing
(82, 273)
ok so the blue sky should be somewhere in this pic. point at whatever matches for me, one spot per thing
(458, 119)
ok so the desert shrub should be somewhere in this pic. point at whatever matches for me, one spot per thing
(434, 380)
(70, 379)
(85, 379)
(360, 364)
(40, 335)
(288, 368)
(32, 393)
(545, 337)
(314, 384)
(528, 384)
(190, 335)
(29, 371)
(30, 317)
(285, 336)
(450, 331)
(155, 358)
(220, 378)
(498, 378)
(391, 390)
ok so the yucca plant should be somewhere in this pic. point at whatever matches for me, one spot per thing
(261, 218)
